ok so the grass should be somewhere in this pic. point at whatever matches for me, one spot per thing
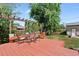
(69, 42)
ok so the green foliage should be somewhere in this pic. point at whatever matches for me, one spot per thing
(64, 33)
(4, 40)
(47, 15)
(4, 30)
(32, 26)
(62, 26)
(69, 42)
(7, 9)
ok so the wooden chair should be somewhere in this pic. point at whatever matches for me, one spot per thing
(27, 38)
(30, 37)
(19, 39)
(36, 36)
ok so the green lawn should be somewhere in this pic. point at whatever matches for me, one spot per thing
(69, 42)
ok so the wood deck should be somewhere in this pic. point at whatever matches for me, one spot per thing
(40, 48)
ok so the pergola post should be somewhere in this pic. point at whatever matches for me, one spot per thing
(10, 27)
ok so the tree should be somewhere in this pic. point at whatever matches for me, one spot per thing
(5, 10)
(4, 30)
(47, 15)
(31, 26)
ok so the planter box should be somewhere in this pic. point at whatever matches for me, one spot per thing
(11, 35)
(42, 35)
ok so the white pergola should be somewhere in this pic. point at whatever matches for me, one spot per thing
(10, 18)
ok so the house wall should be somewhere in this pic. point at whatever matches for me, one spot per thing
(69, 29)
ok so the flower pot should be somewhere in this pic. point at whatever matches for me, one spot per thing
(42, 35)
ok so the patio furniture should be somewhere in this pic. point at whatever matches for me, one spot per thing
(20, 39)
(28, 38)
(42, 35)
(36, 36)
(31, 37)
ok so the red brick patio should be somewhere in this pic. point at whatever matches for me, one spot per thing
(40, 48)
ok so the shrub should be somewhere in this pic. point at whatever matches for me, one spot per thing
(4, 30)
(63, 33)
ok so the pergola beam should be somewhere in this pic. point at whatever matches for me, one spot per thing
(10, 18)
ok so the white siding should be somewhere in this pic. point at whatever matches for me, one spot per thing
(77, 32)
(69, 33)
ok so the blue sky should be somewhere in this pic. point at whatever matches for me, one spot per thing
(69, 12)
(24, 9)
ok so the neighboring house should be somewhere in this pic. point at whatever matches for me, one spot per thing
(72, 29)
(21, 28)
(18, 29)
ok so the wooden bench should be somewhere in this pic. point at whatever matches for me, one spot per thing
(24, 38)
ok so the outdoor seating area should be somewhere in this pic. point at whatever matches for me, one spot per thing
(35, 44)
(36, 30)
(28, 38)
